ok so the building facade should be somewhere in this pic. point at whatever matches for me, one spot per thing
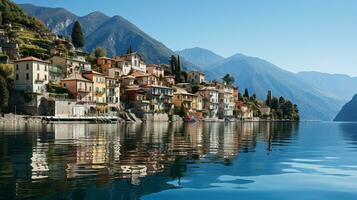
(31, 75)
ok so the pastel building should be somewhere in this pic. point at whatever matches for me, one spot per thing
(31, 75)
(70, 65)
(210, 99)
(79, 87)
(195, 77)
(156, 70)
(99, 86)
(105, 64)
(113, 93)
(134, 60)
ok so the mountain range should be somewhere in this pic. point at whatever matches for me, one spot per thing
(115, 34)
(348, 111)
(318, 95)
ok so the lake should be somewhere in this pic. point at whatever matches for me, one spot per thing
(307, 160)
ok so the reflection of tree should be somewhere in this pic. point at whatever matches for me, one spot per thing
(178, 168)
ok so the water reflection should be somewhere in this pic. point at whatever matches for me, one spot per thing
(127, 161)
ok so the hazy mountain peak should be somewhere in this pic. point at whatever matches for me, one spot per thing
(200, 56)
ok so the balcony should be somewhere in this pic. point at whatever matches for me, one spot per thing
(84, 90)
(99, 92)
(40, 80)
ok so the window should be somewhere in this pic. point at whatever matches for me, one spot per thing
(27, 76)
(38, 76)
(17, 76)
(45, 77)
(38, 66)
(45, 67)
(17, 67)
(27, 66)
(64, 84)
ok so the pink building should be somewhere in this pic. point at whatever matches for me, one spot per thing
(79, 87)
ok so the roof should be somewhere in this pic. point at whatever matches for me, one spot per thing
(208, 88)
(30, 58)
(76, 76)
(105, 58)
(194, 71)
(182, 91)
(137, 73)
(93, 72)
(158, 86)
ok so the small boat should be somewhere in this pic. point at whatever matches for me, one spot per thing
(212, 120)
(189, 119)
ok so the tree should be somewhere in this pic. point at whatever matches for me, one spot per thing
(246, 93)
(4, 95)
(77, 35)
(129, 50)
(100, 52)
(275, 103)
(254, 97)
(228, 79)
(178, 66)
(173, 64)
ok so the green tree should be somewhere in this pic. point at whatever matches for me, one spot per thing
(275, 103)
(100, 52)
(129, 50)
(246, 93)
(228, 79)
(77, 35)
(4, 95)
(173, 64)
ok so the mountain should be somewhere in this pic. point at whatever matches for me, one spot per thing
(338, 86)
(115, 34)
(348, 111)
(199, 56)
(259, 76)
(56, 19)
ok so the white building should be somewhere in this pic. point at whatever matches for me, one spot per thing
(195, 77)
(155, 70)
(226, 103)
(71, 65)
(31, 75)
(133, 61)
(210, 97)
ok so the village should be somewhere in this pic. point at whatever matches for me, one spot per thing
(54, 79)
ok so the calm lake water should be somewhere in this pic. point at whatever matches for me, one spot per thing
(312, 160)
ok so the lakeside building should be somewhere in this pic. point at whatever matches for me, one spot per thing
(70, 65)
(196, 77)
(131, 61)
(105, 64)
(155, 70)
(210, 98)
(160, 97)
(113, 94)
(226, 103)
(79, 87)
(99, 86)
(143, 79)
(31, 75)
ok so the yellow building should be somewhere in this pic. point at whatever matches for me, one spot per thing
(99, 86)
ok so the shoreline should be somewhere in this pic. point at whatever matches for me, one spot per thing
(12, 118)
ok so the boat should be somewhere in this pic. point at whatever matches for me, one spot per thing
(189, 119)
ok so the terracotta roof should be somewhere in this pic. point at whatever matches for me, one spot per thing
(105, 58)
(30, 58)
(137, 73)
(93, 72)
(76, 76)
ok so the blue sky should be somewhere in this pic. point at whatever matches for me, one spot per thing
(297, 35)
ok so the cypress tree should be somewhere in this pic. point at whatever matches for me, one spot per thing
(77, 35)
(173, 64)
(246, 93)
